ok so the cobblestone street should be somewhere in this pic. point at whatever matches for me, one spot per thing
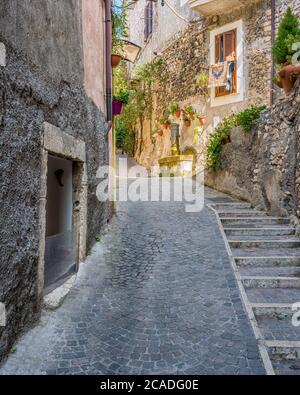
(157, 295)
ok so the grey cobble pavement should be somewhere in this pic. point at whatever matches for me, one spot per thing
(156, 296)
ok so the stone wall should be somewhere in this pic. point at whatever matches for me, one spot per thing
(187, 54)
(263, 166)
(38, 86)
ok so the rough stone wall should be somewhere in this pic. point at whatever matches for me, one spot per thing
(44, 30)
(187, 54)
(30, 94)
(263, 167)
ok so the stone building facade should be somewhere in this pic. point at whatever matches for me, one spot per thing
(188, 48)
(53, 138)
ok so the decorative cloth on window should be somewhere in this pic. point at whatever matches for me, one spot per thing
(218, 75)
(230, 76)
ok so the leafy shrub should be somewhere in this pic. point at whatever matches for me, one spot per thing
(123, 96)
(216, 142)
(173, 107)
(248, 117)
(124, 138)
(288, 31)
(221, 135)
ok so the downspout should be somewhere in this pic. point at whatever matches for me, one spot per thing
(273, 33)
(108, 50)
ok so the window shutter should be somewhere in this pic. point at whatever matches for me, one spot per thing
(225, 45)
(229, 43)
(146, 23)
(217, 49)
(150, 17)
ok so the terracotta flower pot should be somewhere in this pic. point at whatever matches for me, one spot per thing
(178, 113)
(202, 120)
(288, 76)
(187, 123)
(166, 125)
(115, 60)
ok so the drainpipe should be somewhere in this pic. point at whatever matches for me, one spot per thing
(273, 33)
(108, 48)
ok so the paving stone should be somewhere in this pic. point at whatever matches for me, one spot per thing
(156, 295)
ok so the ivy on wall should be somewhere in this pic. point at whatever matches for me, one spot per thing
(246, 119)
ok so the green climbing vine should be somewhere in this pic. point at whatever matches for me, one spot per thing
(246, 119)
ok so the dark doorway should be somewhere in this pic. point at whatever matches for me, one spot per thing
(61, 252)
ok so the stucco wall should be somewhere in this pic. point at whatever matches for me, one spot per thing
(42, 81)
(165, 25)
(93, 30)
(49, 32)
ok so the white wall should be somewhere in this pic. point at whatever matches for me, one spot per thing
(59, 208)
(165, 25)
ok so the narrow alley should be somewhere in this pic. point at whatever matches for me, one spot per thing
(156, 296)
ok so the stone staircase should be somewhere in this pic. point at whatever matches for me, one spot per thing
(265, 255)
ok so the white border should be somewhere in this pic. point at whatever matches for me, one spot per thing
(239, 96)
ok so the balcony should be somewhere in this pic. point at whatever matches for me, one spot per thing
(216, 7)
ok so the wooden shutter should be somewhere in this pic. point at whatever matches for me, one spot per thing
(146, 23)
(226, 45)
(148, 20)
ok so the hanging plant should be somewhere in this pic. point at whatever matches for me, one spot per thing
(174, 109)
(190, 111)
(187, 120)
(164, 121)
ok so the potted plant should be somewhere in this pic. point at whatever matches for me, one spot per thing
(174, 109)
(164, 121)
(115, 60)
(190, 111)
(187, 120)
(119, 100)
(284, 51)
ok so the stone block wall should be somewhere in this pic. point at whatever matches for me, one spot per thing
(263, 166)
(187, 54)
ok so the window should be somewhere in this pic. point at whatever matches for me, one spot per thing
(225, 50)
(227, 41)
(148, 20)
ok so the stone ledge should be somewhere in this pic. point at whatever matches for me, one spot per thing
(56, 298)
(2, 55)
(58, 142)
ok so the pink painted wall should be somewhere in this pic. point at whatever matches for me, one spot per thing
(93, 30)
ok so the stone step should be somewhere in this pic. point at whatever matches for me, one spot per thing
(233, 205)
(273, 310)
(274, 328)
(286, 368)
(266, 253)
(254, 221)
(268, 261)
(283, 350)
(242, 244)
(269, 271)
(241, 214)
(265, 232)
(271, 282)
(273, 295)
